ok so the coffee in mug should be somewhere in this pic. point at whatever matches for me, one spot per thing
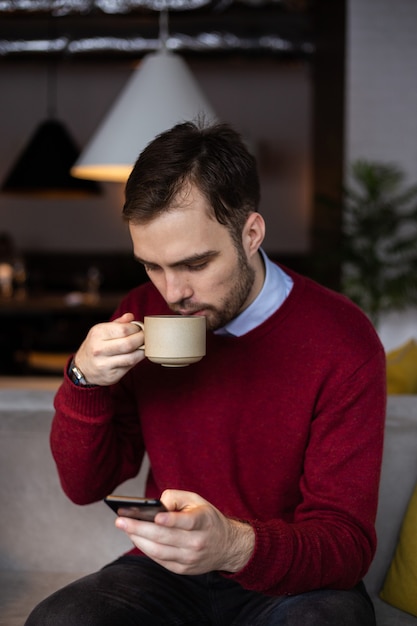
(174, 340)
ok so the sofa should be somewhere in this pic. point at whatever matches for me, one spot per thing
(46, 541)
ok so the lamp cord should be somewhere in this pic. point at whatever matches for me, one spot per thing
(163, 29)
(51, 76)
(51, 84)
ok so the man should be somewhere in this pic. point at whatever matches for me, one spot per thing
(266, 453)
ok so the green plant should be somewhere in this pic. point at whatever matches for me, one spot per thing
(379, 239)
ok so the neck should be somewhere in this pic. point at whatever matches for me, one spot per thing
(258, 266)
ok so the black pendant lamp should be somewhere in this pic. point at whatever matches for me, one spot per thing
(43, 169)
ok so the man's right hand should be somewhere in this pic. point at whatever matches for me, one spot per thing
(110, 350)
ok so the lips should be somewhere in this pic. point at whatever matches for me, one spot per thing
(199, 312)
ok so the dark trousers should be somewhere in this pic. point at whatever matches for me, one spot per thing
(135, 591)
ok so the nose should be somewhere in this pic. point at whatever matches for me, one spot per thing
(177, 288)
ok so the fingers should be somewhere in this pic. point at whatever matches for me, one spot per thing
(110, 350)
(114, 338)
(173, 548)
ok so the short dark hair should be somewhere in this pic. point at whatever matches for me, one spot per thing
(214, 158)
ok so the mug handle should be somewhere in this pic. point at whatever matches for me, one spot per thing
(141, 325)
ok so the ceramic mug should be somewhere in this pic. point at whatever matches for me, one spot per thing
(174, 340)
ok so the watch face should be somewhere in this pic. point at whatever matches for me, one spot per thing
(76, 375)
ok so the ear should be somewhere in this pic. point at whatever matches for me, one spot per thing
(253, 233)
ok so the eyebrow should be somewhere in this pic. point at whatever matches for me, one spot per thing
(195, 258)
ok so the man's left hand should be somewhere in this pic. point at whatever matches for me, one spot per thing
(192, 537)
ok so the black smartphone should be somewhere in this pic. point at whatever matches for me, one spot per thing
(138, 508)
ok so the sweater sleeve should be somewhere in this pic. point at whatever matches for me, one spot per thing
(95, 440)
(330, 542)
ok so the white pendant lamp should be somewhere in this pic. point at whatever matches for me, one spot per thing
(161, 93)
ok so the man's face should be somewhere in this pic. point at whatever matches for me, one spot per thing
(192, 261)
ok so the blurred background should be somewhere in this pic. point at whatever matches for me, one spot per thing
(311, 85)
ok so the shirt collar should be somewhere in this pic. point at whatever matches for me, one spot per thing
(277, 285)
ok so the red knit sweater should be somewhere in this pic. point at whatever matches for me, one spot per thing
(281, 427)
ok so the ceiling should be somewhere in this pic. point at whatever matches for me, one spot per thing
(114, 29)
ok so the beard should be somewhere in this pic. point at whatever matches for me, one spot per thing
(233, 303)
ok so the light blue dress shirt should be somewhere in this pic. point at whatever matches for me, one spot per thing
(277, 285)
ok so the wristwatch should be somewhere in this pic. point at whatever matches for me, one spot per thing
(77, 376)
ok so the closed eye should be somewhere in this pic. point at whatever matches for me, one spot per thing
(196, 267)
(151, 268)
(195, 263)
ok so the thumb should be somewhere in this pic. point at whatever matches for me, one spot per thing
(123, 319)
(178, 500)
